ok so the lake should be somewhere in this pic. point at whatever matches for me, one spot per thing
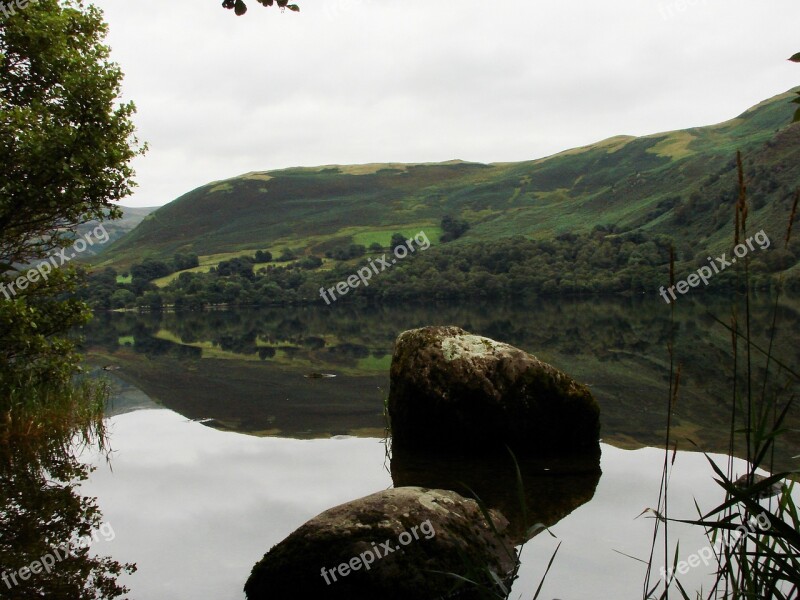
(222, 445)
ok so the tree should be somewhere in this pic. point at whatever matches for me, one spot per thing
(182, 262)
(123, 299)
(356, 250)
(66, 147)
(310, 262)
(148, 270)
(237, 267)
(287, 255)
(262, 256)
(66, 143)
(453, 228)
(153, 300)
(398, 239)
(240, 8)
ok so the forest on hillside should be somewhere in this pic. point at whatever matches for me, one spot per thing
(600, 262)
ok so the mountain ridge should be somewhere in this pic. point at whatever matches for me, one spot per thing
(626, 182)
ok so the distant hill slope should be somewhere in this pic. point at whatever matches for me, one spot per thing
(679, 183)
(131, 218)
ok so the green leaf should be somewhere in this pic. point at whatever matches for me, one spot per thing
(795, 58)
(240, 8)
(294, 7)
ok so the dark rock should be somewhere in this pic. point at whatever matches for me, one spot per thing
(458, 391)
(747, 482)
(430, 531)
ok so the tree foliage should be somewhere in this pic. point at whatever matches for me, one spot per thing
(181, 262)
(604, 261)
(262, 256)
(66, 143)
(453, 228)
(239, 7)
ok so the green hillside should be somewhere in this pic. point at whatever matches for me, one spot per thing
(131, 218)
(675, 183)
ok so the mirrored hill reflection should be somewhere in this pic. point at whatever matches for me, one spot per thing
(246, 370)
(51, 537)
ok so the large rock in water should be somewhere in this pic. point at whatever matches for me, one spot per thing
(344, 552)
(454, 390)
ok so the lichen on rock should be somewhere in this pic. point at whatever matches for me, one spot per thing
(453, 538)
(456, 390)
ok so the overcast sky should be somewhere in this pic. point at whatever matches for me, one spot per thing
(358, 81)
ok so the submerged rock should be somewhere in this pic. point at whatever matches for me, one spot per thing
(395, 544)
(746, 482)
(454, 390)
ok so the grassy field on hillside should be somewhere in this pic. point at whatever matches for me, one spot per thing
(679, 184)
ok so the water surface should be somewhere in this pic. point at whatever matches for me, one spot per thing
(224, 445)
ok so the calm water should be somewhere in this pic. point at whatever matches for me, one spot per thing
(222, 446)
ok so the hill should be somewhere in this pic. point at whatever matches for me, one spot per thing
(131, 218)
(678, 183)
(605, 218)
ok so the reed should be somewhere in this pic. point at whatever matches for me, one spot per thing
(765, 563)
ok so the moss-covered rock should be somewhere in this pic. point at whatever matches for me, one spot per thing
(429, 531)
(454, 390)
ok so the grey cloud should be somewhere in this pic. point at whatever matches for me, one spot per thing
(383, 80)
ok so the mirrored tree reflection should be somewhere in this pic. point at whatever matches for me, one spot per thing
(247, 370)
(47, 527)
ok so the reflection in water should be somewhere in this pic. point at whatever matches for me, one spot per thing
(469, 558)
(196, 508)
(551, 487)
(246, 369)
(47, 529)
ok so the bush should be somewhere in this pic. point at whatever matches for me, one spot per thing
(123, 299)
(262, 256)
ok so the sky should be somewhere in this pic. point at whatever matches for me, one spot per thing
(365, 81)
